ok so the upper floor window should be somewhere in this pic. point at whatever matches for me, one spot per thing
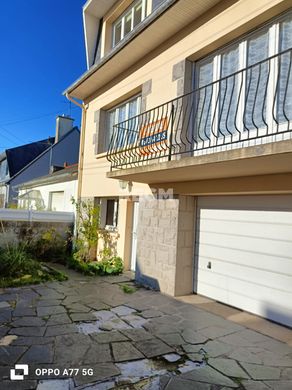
(129, 20)
(247, 85)
(121, 113)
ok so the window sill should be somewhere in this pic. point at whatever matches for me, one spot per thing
(110, 229)
(100, 155)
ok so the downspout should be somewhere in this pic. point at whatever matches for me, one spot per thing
(84, 108)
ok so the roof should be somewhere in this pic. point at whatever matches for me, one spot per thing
(19, 157)
(71, 90)
(40, 155)
(66, 174)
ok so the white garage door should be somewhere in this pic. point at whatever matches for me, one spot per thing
(244, 253)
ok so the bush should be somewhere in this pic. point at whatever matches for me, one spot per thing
(16, 261)
(18, 268)
(50, 246)
(112, 266)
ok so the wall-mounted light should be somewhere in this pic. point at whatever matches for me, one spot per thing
(126, 185)
(123, 184)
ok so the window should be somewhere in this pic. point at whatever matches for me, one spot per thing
(120, 114)
(56, 201)
(129, 20)
(229, 100)
(111, 212)
(109, 208)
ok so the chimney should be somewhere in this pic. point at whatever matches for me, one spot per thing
(63, 125)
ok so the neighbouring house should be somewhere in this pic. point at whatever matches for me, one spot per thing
(14, 159)
(186, 143)
(51, 192)
(64, 151)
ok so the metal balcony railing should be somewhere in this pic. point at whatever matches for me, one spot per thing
(253, 105)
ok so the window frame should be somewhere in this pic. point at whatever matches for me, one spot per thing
(122, 18)
(109, 132)
(274, 39)
(102, 203)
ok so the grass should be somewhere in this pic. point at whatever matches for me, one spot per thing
(128, 289)
(31, 279)
(19, 268)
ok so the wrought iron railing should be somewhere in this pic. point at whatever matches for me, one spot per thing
(254, 103)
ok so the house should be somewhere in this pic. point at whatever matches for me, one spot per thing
(64, 151)
(51, 192)
(14, 159)
(187, 109)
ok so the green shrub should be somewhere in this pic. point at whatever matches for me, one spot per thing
(112, 266)
(16, 261)
(50, 246)
(19, 268)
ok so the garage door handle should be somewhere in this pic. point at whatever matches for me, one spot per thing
(209, 265)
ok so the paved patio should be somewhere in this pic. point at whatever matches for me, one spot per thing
(141, 341)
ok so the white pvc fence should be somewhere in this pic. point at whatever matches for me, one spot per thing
(36, 216)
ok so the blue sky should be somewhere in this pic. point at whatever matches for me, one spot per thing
(41, 53)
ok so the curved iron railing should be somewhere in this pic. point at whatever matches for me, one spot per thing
(253, 103)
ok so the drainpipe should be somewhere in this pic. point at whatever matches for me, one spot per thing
(84, 108)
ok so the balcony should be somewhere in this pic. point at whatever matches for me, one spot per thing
(248, 108)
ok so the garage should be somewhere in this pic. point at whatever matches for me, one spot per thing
(243, 253)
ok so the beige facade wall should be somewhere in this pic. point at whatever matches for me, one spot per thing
(162, 227)
(207, 33)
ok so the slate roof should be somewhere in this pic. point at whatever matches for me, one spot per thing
(19, 157)
(51, 146)
(66, 174)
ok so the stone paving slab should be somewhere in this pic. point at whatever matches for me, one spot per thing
(259, 372)
(38, 354)
(10, 354)
(98, 353)
(125, 351)
(28, 331)
(79, 317)
(192, 337)
(30, 340)
(9, 385)
(228, 367)
(55, 385)
(210, 376)
(49, 302)
(23, 311)
(43, 311)
(28, 321)
(4, 304)
(172, 339)
(180, 384)
(123, 310)
(57, 330)
(76, 324)
(101, 371)
(153, 347)
(59, 319)
(137, 334)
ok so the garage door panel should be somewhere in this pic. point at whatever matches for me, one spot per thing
(275, 203)
(252, 228)
(257, 260)
(241, 293)
(248, 240)
(249, 216)
(247, 245)
(258, 277)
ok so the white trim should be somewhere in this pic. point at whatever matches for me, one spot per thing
(122, 20)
